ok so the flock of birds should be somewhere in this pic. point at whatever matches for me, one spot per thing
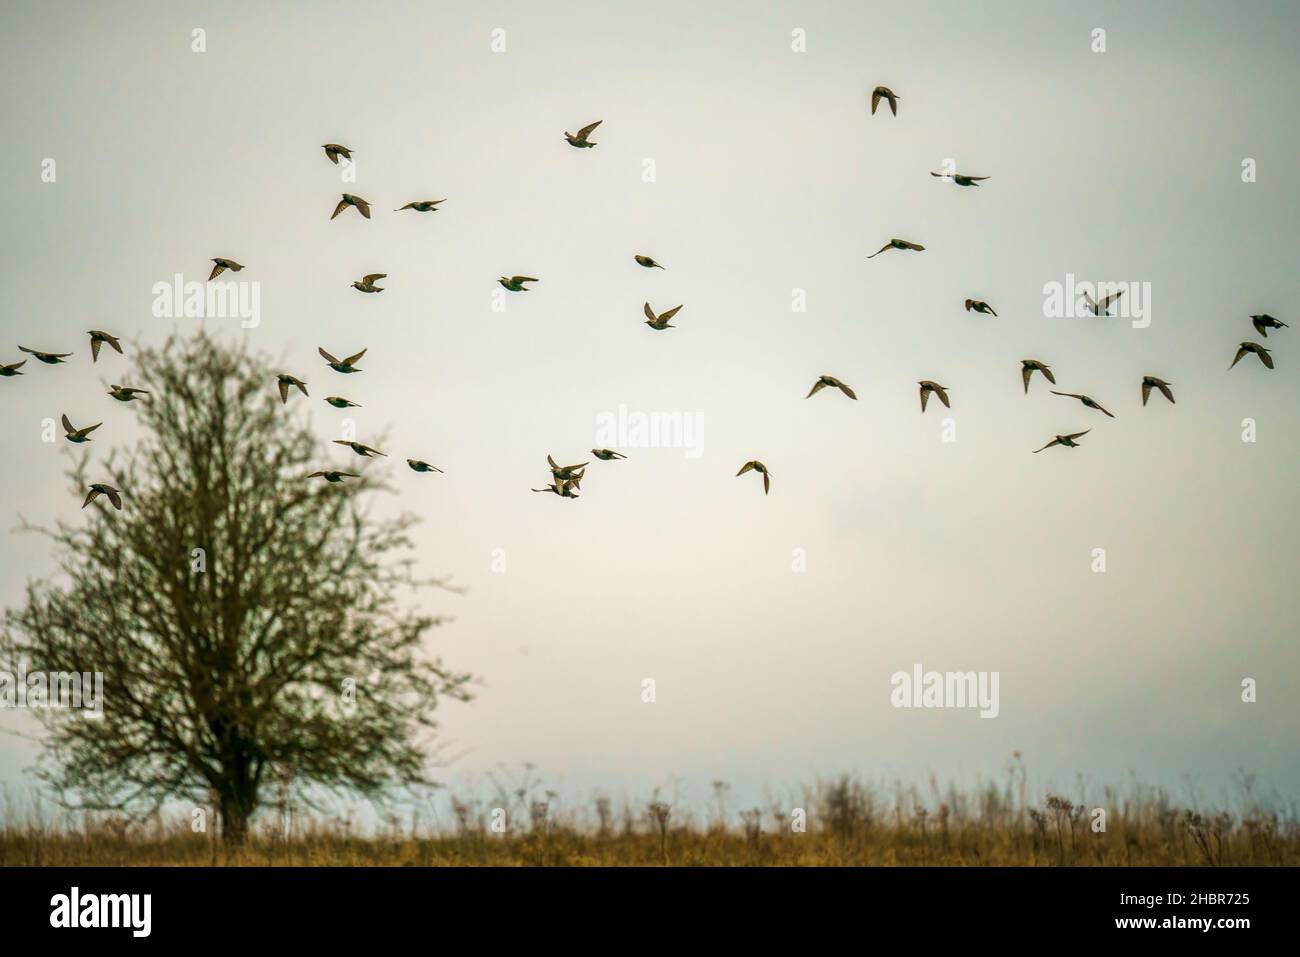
(566, 479)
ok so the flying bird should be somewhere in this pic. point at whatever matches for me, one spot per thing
(12, 368)
(423, 205)
(420, 466)
(286, 381)
(606, 454)
(1149, 382)
(1257, 349)
(364, 451)
(927, 387)
(580, 138)
(760, 468)
(349, 200)
(334, 151)
(647, 262)
(49, 358)
(896, 244)
(1029, 366)
(342, 365)
(829, 380)
(563, 489)
(961, 179)
(221, 265)
(97, 339)
(341, 403)
(1100, 309)
(367, 282)
(660, 321)
(1266, 322)
(979, 305)
(78, 435)
(333, 475)
(1088, 401)
(1066, 440)
(516, 283)
(565, 471)
(125, 393)
(886, 93)
(99, 488)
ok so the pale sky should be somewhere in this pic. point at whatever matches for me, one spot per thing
(771, 176)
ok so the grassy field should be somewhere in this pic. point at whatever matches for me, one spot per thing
(846, 823)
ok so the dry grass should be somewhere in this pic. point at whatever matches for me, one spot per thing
(848, 823)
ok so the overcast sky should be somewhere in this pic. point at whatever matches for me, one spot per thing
(770, 175)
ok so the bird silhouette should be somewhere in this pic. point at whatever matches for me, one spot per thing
(897, 244)
(341, 403)
(1086, 400)
(286, 381)
(606, 455)
(348, 199)
(1100, 309)
(99, 488)
(829, 380)
(419, 466)
(1149, 382)
(564, 471)
(125, 393)
(49, 358)
(345, 366)
(660, 321)
(334, 151)
(12, 368)
(221, 265)
(647, 262)
(979, 305)
(884, 92)
(423, 205)
(367, 282)
(364, 451)
(1265, 322)
(97, 339)
(761, 469)
(78, 435)
(1257, 349)
(516, 283)
(1029, 366)
(927, 387)
(562, 489)
(579, 139)
(961, 179)
(1066, 440)
(333, 475)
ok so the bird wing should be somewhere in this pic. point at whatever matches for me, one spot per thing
(91, 428)
(1146, 391)
(341, 442)
(1076, 435)
(1105, 303)
(586, 130)
(373, 276)
(1266, 359)
(1240, 352)
(1071, 395)
(343, 204)
(880, 250)
(351, 359)
(284, 391)
(650, 313)
(1047, 446)
(90, 498)
(67, 423)
(1026, 373)
(893, 103)
(976, 177)
(875, 101)
(1257, 322)
(990, 309)
(943, 397)
(376, 451)
(94, 348)
(364, 207)
(745, 468)
(845, 389)
(551, 462)
(31, 351)
(115, 498)
(916, 246)
(316, 475)
(1166, 391)
(217, 270)
(1050, 377)
(664, 317)
(326, 355)
(925, 397)
(523, 279)
(767, 483)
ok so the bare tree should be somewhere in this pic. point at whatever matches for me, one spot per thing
(249, 622)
